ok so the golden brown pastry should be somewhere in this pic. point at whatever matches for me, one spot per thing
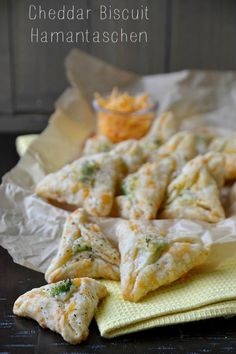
(88, 182)
(215, 163)
(204, 136)
(96, 145)
(151, 258)
(83, 252)
(182, 143)
(194, 194)
(66, 307)
(131, 153)
(162, 129)
(227, 146)
(144, 190)
(180, 148)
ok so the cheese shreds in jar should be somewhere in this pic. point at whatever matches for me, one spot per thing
(121, 116)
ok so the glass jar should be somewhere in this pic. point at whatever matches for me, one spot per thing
(118, 126)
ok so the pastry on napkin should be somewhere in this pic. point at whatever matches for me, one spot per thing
(202, 295)
(151, 258)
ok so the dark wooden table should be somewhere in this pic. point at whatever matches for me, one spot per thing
(23, 336)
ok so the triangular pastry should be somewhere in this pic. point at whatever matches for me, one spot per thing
(88, 182)
(131, 153)
(227, 146)
(178, 162)
(215, 163)
(181, 148)
(144, 190)
(96, 145)
(182, 143)
(83, 251)
(66, 307)
(162, 129)
(151, 258)
(194, 194)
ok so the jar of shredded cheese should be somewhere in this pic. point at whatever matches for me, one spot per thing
(121, 116)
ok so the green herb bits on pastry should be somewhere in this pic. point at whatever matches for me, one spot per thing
(194, 194)
(88, 182)
(83, 251)
(144, 191)
(151, 258)
(66, 307)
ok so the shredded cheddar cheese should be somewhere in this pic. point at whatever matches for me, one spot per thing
(122, 117)
(123, 102)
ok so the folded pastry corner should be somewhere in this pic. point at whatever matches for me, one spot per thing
(194, 194)
(66, 307)
(131, 153)
(215, 162)
(88, 182)
(97, 144)
(204, 136)
(151, 258)
(227, 146)
(183, 143)
(83, 251)
(181, 148)
(144, 190)
(162, 129)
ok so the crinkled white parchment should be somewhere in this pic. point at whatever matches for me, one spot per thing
(30, 228)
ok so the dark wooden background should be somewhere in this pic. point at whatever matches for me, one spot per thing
(182, 34)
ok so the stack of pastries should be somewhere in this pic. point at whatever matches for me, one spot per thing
(167, 174)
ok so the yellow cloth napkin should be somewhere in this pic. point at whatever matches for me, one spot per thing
(195, 297)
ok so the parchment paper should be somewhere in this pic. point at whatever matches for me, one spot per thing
(30, 228)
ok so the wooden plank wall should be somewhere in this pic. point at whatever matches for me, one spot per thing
(203, 35)
(182, 34)
(134, 57)
(6, 99)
